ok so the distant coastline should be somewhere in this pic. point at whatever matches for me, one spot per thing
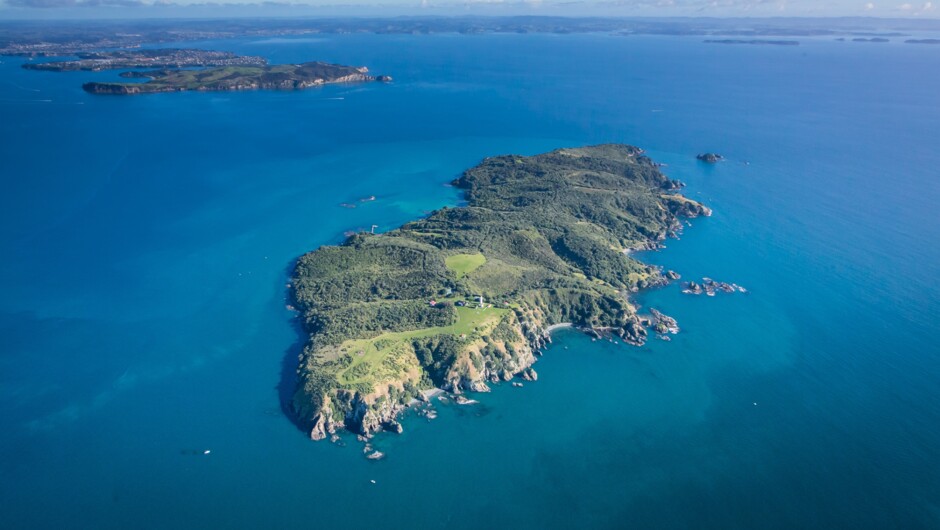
(754, 41)
(150, 58)
(235, 78)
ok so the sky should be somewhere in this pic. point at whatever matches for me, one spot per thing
(653, 8)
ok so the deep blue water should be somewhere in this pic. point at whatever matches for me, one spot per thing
(146, 241)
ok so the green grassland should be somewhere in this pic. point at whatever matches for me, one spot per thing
(464, 264)
(471, 324)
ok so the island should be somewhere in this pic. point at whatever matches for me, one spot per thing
(710, 158)
(758, 42)
(710, 287)
(469, 295)
(153, 58)
(226, 78)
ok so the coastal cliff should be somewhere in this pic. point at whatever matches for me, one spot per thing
(467, 296)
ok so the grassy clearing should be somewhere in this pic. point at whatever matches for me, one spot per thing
(374, 358)
(464, 264)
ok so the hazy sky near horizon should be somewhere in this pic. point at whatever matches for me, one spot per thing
(717, 8)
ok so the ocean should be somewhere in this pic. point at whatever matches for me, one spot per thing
(147, 241)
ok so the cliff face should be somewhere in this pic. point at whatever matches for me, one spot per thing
(112, 88)
(486, 360)
(284, 84)
(465, 297)
(495, 358)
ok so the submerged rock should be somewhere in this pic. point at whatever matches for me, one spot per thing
(461, 400)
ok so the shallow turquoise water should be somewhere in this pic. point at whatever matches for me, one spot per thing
(146, 244)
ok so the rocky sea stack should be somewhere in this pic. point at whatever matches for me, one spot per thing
(710, 158)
